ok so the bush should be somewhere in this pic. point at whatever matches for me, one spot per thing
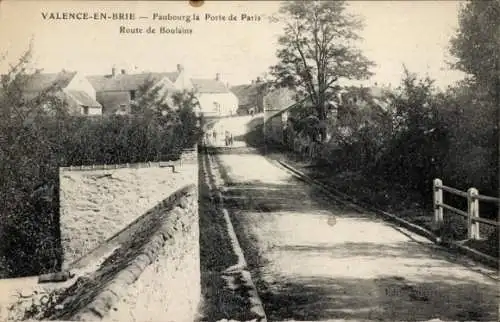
(37, 136)
(30, 172)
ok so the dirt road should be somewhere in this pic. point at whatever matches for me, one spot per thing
(314, 259)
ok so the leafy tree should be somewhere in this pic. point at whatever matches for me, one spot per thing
(477, 43)
(29, 208)
(151, 99)
(473, 103)
(418, 143)
(317, 49)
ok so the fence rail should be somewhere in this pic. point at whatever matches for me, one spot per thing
(472, 213)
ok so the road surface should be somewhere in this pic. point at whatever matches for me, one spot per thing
(314, 259)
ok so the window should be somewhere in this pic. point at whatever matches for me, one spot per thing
(217, 107)
(132, 95)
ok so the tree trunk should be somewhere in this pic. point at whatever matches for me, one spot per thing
(322, 116)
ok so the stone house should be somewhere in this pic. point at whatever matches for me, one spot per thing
(117, 92)
(215, 97)
(360, 106)
(353, 109)
(250, 97)
(72, 87)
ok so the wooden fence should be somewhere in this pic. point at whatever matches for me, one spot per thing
(472, 214)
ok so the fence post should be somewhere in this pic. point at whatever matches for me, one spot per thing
(438, 201)
(473, 212)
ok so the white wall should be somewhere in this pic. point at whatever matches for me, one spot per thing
(228, 103)
(93, 110)
(166, 87)
(183, 81)
(81, 83)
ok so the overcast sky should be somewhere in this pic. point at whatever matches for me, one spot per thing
(415, 33)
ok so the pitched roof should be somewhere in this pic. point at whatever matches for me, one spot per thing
(376, 91)
(246, 93)
(126, 82)
(41, 81)
(172, 76)
(83, 99)
(209, 86)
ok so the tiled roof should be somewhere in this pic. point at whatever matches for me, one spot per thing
(126, 82)
(247, 93)
(41, 81)
(209, 86)
(83, 98)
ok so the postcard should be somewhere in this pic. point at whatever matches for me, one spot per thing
(249, 160)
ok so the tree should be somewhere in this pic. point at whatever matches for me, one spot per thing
(474, 128)
(317, 49)
(477, 43)
(30, 151)
(151, 99)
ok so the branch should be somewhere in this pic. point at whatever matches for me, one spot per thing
(310, 87)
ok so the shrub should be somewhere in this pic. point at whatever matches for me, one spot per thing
(37, 136)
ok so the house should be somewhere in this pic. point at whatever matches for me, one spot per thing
(214, 97)
(116, 92)
(277, 120)
(363, 105)
(250, 97)
(72, 87)
(278, 100)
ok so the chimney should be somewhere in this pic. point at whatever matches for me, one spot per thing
(217, 77)
(113, 71)
(124, 71)
(180, 68)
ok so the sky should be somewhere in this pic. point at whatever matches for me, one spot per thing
(414, 33)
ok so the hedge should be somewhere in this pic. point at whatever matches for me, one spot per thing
(31, 155)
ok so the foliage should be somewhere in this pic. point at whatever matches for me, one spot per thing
(471, 118)
(477, 43)
(473, 104)
(317, 49)
(419, 138)
(30, 178)
(38, 135)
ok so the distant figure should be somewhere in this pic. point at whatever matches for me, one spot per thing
(227, 138)
(207, 137)
(214, 134)
(231, 139)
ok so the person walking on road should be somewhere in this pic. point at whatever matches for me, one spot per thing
(227, 138)
(207, 137)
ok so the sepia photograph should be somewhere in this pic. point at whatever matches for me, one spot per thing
(217, 161)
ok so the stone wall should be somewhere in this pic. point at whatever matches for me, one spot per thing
(98, 204)
(155, 272)
(170, 287)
